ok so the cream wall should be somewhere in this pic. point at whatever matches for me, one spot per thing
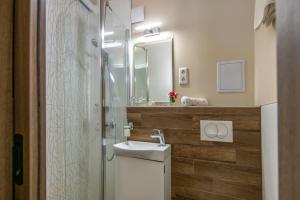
(205, 32)
(265, 66)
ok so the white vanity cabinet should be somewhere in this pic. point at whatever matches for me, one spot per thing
(138, 179)
(142, 179)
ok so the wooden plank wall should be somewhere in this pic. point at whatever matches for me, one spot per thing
(207, 170)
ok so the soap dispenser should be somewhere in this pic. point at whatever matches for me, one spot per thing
(127, 129)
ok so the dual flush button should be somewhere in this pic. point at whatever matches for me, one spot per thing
(218, 131)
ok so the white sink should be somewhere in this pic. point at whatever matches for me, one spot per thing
(143, 150)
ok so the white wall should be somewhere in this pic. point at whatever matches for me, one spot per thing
(265, 65)
(265, 95)
(270, 165)
(206, 32)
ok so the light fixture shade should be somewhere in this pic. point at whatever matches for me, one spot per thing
(148, 26)
(151, 32)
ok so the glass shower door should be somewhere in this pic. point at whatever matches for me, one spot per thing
(115, 87)
(73, 101)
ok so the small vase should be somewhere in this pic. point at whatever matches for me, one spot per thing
(172, 101)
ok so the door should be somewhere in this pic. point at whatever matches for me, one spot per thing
(6, 114)
(288, 48)
(73, 105)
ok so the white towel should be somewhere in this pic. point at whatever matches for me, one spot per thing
(190, 101)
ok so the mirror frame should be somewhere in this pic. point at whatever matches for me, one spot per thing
(132, 82)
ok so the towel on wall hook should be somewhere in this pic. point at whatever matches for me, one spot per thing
(265, 13)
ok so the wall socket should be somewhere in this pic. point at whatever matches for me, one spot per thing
(183, 76)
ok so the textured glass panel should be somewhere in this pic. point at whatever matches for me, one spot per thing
(73, 102)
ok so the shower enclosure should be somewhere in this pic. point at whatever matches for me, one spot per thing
(115, 89)
(86, 96)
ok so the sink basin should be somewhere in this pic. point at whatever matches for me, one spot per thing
(143, 150)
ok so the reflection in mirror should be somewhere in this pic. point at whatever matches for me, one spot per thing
(153, 71)
(141, 89)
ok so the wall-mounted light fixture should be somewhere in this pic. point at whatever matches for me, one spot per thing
(155, 38)
(148, 26)
(151, 32)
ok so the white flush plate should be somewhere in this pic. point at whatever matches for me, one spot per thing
(217, 131)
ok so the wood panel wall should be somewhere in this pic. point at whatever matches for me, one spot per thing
(206, 170)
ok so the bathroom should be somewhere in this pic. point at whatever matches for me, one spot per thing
(149, 100)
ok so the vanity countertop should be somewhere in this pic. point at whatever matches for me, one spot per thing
(189, 107)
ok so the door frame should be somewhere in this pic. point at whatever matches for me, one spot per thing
(6, 99)
(42, 98)
(29, 95)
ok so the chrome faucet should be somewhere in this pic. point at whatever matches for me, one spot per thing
(158, 134)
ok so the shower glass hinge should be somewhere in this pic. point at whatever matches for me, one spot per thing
(18, 159)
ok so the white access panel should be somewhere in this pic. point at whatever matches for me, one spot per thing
(217, 131)
(231, 76)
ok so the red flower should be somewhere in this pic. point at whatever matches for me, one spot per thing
(173, 94)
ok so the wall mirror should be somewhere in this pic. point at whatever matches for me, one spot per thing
(152, 71)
